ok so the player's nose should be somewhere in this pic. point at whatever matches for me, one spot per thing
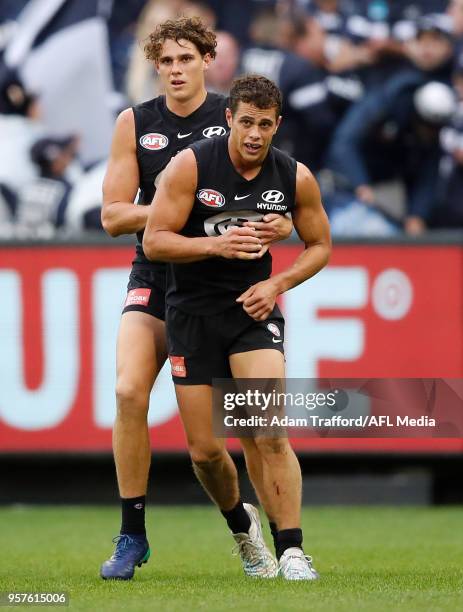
(176, 68)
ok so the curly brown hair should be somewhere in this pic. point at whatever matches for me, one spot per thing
(186, 28)
(256, 90)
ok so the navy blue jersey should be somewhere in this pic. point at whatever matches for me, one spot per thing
(160, 134)
(223, 199)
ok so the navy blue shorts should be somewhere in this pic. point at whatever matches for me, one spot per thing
(146, 291)
(199, 346)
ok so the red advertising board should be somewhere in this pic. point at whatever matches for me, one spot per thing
(375, 311)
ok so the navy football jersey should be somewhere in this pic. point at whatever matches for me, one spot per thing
(160, 134)
(223, 199)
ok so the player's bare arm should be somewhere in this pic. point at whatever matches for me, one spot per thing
(162, 241)
(312, 226)
(119, 214)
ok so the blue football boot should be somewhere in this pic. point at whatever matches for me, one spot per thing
(131, 550)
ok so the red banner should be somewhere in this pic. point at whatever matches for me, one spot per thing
(375, 311)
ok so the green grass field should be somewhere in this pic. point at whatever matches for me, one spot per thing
(370, 559)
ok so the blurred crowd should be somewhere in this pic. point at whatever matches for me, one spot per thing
(373, 102)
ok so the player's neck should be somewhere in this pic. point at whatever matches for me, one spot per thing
(183, 108)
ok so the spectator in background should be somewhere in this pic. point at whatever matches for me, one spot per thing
(449, 213)
(308, 120)
(392, 134)
(223, 69)
(376, 34)
(122, 20)
(331, 16)
(20, 126)
(42, 202)
(235, 16)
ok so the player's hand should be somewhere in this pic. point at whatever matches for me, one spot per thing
(259, 300)
(272, 228)
(239, 243)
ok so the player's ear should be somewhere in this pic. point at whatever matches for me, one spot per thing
(278, 123)
(156, 66)
(207, 59)
(228, 117)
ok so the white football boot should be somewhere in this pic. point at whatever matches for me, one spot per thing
(257, 560)
(295, 565)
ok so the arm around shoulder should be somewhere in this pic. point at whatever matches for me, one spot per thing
(169, 212)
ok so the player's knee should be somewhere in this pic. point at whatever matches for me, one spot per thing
(272, 446)
(205, 454)
(131, 400)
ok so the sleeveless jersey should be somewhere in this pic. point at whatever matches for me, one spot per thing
(160, 134)
(223, 199)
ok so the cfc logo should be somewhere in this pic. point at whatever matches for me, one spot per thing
(274, 329)
(211, 197)
(221, 223)
(273, 196)
(154, 141)
(214, 130)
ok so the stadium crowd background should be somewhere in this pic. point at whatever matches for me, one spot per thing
(373, 95)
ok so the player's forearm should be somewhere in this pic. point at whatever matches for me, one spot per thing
(310, 262)
(120, 218)
(163, 245)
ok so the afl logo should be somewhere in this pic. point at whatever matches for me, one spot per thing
(273, 329)
(154, 142)
(273, 196)
(211, 197)
(215, 130)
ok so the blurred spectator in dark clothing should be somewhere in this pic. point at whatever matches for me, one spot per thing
(433, 47)
(331, 16)
(307, 119)
(375, 35)
(54, 155)
(122, 19)
(223, 69)
(343, 88)
(235, 17)
(449, 213)
(392, 134)
(42, 203)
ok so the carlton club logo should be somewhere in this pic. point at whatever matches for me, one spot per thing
(214, 130)
(211, 197)
(154, 141)
(274, 329)
(273, 196)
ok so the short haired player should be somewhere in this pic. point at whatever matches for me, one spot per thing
(222, 318)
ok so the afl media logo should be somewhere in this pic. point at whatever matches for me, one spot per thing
(214, 130)
(154, 141)
(211, 197)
